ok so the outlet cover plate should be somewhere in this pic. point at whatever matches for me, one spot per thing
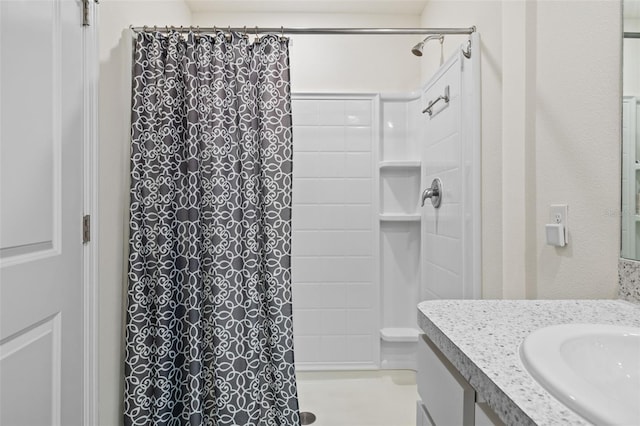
(559, 214)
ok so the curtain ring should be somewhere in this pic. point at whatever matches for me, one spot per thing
(281, 32)
(229, 36)
(144, 28)
(244, 33)
(257, 35)
(155, 28)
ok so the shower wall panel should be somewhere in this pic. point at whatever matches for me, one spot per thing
(334, 242)
(450, 240)
(399, 171)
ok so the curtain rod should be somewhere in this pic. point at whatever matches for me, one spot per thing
(323, 31)
(631, 35)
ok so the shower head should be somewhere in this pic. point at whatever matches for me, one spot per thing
(417, 49)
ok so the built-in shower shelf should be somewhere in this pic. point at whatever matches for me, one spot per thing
(403, 164)
(400, 217)
(399, 335)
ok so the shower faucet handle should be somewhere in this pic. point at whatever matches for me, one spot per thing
(427, 193)
(434, 193)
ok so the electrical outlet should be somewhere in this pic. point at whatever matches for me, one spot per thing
(558, 214)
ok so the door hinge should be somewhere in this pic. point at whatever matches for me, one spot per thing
(85, 12)
(86, 229)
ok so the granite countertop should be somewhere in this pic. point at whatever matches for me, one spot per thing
(481, 338)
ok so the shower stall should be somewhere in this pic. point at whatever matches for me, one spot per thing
(364, 249)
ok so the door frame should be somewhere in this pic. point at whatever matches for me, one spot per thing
(90, 276)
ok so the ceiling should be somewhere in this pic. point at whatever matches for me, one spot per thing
(402, 7)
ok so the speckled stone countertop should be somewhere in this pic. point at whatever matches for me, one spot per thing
(481, 338)
(629, 280)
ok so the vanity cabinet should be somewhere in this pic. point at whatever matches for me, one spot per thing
(445, 396)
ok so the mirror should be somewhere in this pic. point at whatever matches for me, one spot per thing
(630, 218)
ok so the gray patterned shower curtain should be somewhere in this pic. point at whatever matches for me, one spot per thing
(209, 331)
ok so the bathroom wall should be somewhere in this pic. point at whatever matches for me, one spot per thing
(114, 92)
(557, 142)
(578, 145)
(333, 63)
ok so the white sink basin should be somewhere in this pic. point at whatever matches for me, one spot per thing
(593, 369)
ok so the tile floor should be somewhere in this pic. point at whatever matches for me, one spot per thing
(359, 398)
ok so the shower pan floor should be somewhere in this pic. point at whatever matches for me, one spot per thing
(359, 398)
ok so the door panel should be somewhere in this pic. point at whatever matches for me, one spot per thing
(41, 165)
(38, 347)
(30, 123)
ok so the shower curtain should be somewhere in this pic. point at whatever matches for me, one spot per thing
(209, 331)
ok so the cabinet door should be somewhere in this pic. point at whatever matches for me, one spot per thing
(485, 416)
(446, 396)
(422, 418)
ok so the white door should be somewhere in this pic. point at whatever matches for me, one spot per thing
(41, 164)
